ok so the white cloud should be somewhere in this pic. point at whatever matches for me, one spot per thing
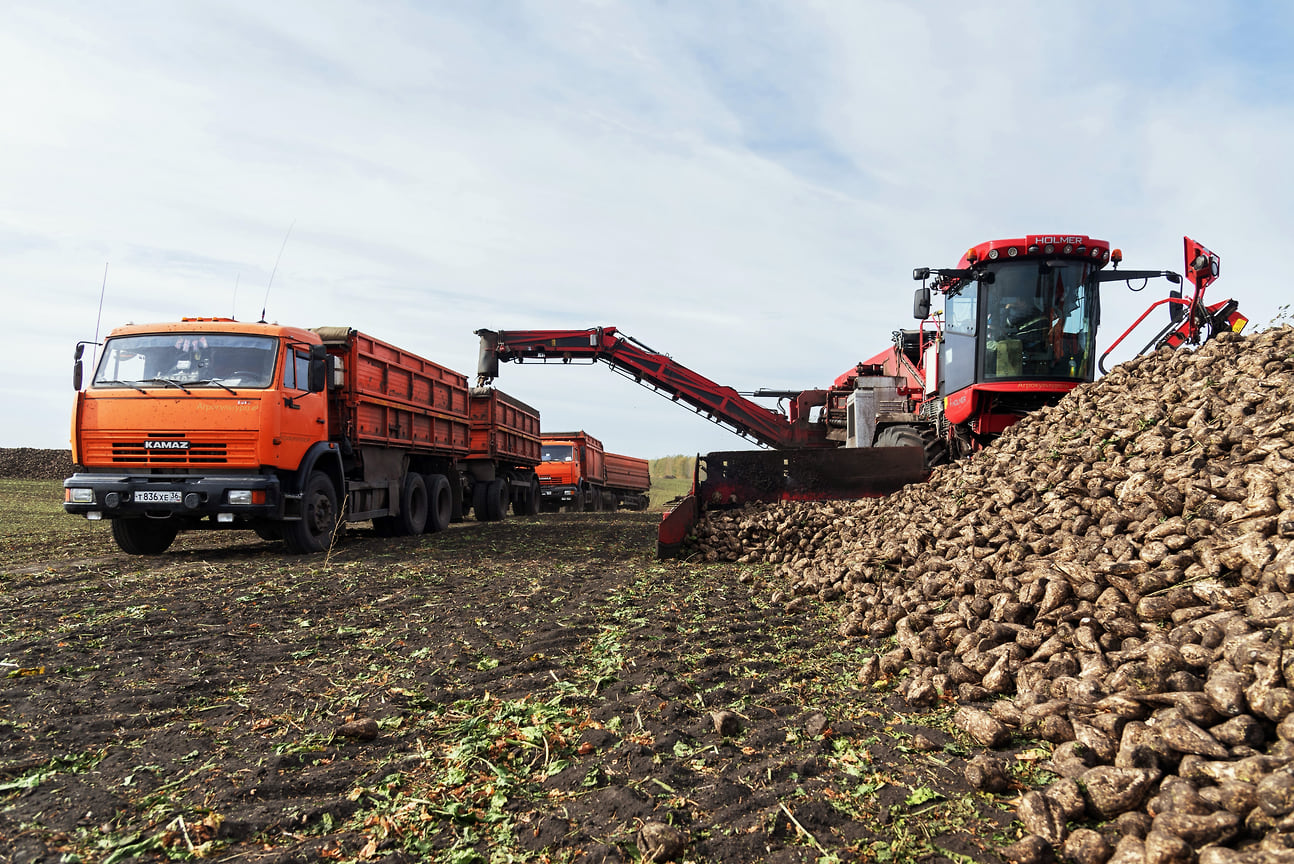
(745, 190)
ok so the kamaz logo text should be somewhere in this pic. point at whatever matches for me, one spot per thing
(166, 445)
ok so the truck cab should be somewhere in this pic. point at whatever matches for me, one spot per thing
(195, 423)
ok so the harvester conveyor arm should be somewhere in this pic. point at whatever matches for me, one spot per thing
(722, 405)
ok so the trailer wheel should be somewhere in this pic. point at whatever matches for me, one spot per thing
(313, 532)
(496, 500)
(144, 536)
(532, 497)
(413, 505)
(440, 502)
(457, 506)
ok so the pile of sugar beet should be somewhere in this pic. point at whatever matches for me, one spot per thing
(1114, 575)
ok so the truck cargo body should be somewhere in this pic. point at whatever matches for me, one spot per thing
(504, 447)
(578, 474)
(218, 424)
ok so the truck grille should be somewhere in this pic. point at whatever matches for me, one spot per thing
(197, 454)
(108, 450)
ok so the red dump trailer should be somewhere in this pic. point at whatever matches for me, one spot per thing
(577, 473)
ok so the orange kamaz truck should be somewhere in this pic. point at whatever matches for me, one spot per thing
(575, 472)
(216, 424)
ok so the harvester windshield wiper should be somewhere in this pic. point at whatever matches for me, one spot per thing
(132, 384)
(167, 381)
(219, 384)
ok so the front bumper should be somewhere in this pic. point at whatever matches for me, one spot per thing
(560, 494)
(113, 496)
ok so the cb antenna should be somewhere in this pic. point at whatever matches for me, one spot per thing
(265, 303)
(99, 320)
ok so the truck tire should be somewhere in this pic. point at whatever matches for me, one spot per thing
(412, 519)
(440, 502)
(144, 536)
(478, 500)
(577, 503)
(458, 506)
(313, 532)
(496, 499)
(532, 498)
(597, 500)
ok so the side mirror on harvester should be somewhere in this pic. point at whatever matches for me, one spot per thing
(318, 369)
(921, 303)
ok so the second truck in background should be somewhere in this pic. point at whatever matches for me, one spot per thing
(577, 473)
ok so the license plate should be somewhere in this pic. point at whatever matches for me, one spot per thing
(153, 497)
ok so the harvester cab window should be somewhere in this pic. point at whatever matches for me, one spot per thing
(1039, 321)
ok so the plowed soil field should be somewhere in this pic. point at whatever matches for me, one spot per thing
(538, 689)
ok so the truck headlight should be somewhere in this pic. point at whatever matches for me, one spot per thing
(240, 496)
(80, 496)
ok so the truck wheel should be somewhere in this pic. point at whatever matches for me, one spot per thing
(440, 502)
(478, 500)
(144, 536)
(496, 500)
(577, 503)
(597, 501)
(412, 519)
(458, 507)
(313, 532)
(270, 531)
(532, 497)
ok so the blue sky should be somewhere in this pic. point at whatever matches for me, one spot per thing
(745, 186)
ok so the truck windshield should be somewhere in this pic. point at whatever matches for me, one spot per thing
(1039, 320)
(557, 453)
(220, 360)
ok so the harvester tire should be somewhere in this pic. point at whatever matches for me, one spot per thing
(440, 502)
(144, 536)
(936, 453)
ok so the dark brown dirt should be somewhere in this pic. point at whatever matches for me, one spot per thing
(29, 463)
(538, 688)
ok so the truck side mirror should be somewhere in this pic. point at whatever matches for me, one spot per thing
(318, 379)
(78, 368)
(921, 303)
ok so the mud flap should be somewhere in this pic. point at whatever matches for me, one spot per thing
(731, 478)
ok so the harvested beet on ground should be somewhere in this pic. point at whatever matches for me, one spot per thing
(1121, 566)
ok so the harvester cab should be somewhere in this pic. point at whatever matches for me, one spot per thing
(1019, 326)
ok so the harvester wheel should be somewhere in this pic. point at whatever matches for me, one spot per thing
(144, 536)
(440, 502)
(936, 452)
